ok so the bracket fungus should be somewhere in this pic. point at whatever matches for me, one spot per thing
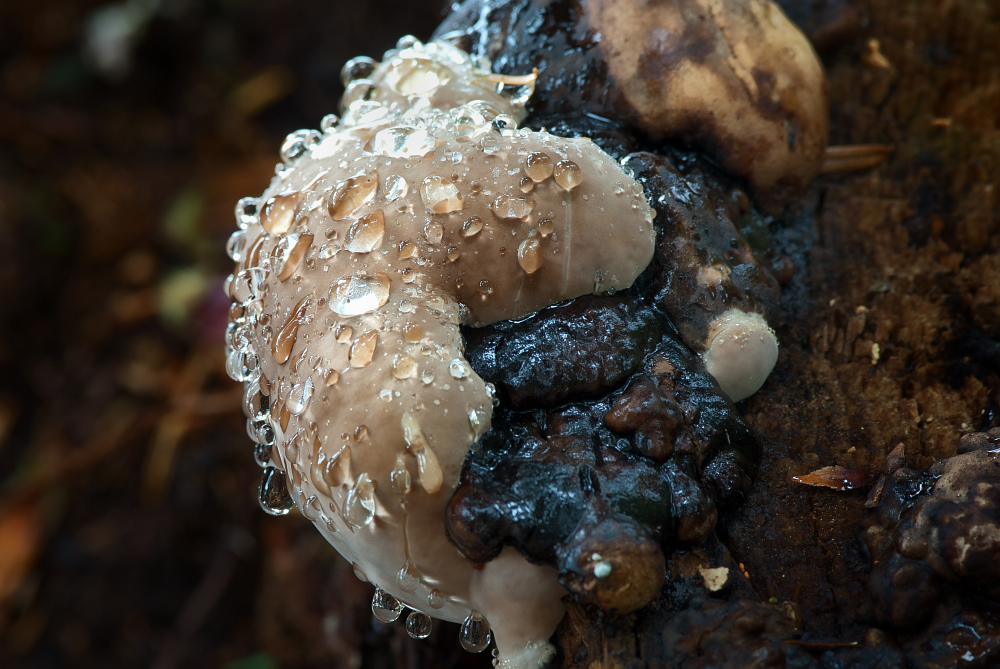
(423, 208)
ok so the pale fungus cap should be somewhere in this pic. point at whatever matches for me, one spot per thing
(735, 79)
(423, 208)
(741, 350)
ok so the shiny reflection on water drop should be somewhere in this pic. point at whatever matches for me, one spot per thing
(418, 625)
(440, 194)
(352, 194)
(545, 226)
(538, 166)
(512, 206)
(357, 68)
(288, 253)
(474, 634)
(458, 368)
(363, 349)
(385, 607)
(404, 142)
(471, 227)
(246, 212)
(299, 396)
(395, 187)
(278, 212)
(566, 173)
(529, 255)
(399, 477)
(433, 231)
(359, 507)
(403, 366)
(407, 579)
(365, 234)
(272, 493)
(297, 144)
(359, 294)
(435, 599)
(236, 245)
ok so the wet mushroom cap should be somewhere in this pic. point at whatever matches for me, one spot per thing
(369, 249)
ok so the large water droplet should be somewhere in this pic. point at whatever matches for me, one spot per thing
(359, 507)
(236, 245)
(458, 368)
(512, 206)
(433, 231)
(418, 625)
(440, 194)
(272, 493)
(435, 599)
(365, 234)
(529, 255)
(474, 633)
(246, 212)
(299, 396)
(413, 332)
(245, 286)
(363, 349)
(288, 254)
(428, 465)
(395, 187)
(399, 477)
(385, 607)
(297, 143)
(352, 194)
(404, 142)
(278, 212)
(403, 366)
(335, 469)
(358, 67)
(417, 76)
(284, 340)
(538, 166)
(408, 578)
(566, 173)
(359, 294)
(471, 227)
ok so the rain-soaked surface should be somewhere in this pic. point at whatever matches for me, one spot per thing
(131, 533)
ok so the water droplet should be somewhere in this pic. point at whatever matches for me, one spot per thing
(406, 249)
(417, 76)
(331, 378)
(298, 398)
(458, 368)
(357, 68)
(475, 633)
(476, 420)
(297, 144)
(359, 294)
(288, 253)
(352, 194)
(246, 212)
(471, 227)
(359, 573)
(399, 477)
(538, 166)
(246, 285)
(272, 493)
(433, 231)
(413, 332)
(236, 244)
(504, 122)
(485, 287)
(512, 206)
(407, 579)
(426, 376)
(529, 255)
(545, 226)
(328, 251)
(490, 145)
(418, 625)
(385, 607)
(284, 340)
(363, 349)
(403, 366)
(310, 507)
(360, 432)
(279, 211)
(440, 194)
(526, 185)
(359, 506)
(491, 390)
(329, 122)
(566, 173)
(365, 234)
(335, 469)
(262, 452)
(435, 599)
(453, 253)
(395, 187)
(428, 466)
(404, 142)
(343, 333)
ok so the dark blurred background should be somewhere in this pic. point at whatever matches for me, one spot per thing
(130, 534)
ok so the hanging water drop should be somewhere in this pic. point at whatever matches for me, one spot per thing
(408, 578)
(418, 625)
(385, 607)
(475, 633)
(272, 493)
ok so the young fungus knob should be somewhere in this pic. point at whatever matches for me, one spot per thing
(422, 209)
